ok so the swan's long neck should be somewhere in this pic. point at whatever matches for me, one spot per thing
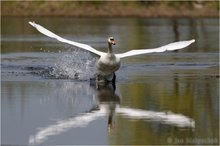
(110, 48)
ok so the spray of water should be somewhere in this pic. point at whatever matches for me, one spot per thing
(75, 65)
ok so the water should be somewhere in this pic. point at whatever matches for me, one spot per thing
(162, 98)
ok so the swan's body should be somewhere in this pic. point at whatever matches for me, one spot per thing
(109, 62)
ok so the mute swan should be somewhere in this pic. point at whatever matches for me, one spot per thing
(109, 62)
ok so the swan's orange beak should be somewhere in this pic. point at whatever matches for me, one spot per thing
(113, 43)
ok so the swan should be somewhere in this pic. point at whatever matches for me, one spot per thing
(109, 62)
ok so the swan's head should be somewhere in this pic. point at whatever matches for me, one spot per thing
(111, 41)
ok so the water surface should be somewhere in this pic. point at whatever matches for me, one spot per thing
(162, 98)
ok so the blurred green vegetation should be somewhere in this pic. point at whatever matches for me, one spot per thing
(110, 8)
(213, 4)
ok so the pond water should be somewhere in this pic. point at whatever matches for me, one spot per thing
(160, 98)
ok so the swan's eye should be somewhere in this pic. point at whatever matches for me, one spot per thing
(111, 39)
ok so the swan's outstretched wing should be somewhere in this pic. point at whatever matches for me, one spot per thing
(168, 47)
(52, 35)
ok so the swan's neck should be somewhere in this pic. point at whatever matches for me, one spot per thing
(110, 48)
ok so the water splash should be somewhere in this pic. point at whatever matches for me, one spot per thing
(75, 65)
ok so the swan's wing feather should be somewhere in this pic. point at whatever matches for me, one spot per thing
(48, 33)
(168, 47)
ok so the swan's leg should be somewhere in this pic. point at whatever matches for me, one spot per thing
(113, 81)
(111, 78)
(106, 79)
(114, 78)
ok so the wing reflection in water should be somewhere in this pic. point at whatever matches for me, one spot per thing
(164, 117)
(107, 101)
(108, 104)
(64, 125)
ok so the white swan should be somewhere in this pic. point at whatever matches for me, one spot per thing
(110, 62)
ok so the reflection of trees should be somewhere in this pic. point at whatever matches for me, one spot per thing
(131, 33)
(206, 107)
(193, 33)
(187, 91)
(194, 96)
(175, 30)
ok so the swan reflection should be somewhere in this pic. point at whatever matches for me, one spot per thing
(107, 106)
(106, 96)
